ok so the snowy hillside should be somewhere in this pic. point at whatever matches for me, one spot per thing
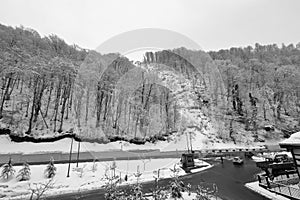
(212, 98)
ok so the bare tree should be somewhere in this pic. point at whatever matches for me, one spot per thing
(38, 189)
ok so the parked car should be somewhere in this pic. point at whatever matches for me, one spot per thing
(237, 161)
(281, 158)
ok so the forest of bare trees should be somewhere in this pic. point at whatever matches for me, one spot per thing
(49, 87)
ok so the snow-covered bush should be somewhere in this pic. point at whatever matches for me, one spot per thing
(176, 186)
(94, 166)
(189, 188)
(51, 169)
(80, 171)
(157, 192)
(7, 170)
(111, 190)
(206, 191)
(24, 173)
(136, 189)
(200, 194)
(113, 167)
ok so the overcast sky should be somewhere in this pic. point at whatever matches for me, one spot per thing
(213, 24)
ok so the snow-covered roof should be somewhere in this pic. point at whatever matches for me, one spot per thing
(293, 140)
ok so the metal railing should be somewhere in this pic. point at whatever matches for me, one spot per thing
(286, 190)
(290, 191)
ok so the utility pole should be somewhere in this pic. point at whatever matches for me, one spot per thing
(187, 142)
(70, 157)
(191, 143)
(78, 154)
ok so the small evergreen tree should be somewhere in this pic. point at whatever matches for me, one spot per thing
(7, 170)
(24, 173)
(51, 169)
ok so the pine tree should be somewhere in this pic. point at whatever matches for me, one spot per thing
(7, 170)
(51, 169)
(24, 173)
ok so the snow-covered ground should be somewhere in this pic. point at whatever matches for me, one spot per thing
(7, 146)
(92, 175)
(192, 196)
(255, 187)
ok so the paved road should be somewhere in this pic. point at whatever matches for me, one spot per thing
(59, 157)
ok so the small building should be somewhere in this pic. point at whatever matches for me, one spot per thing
(187, 160)
(292, 144)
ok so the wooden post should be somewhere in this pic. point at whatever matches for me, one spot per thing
(70, 157)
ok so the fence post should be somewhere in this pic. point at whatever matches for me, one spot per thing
(259, 179)
(268, 183)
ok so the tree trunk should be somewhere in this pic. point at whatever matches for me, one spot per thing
(33, 107)
(4, 96)
(65, 97)
(58, 91)
(87, 105)
(99, 105)
(38, 100)
(49, 100)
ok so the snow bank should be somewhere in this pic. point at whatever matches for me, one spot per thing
(179, 143)
(91, 175)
